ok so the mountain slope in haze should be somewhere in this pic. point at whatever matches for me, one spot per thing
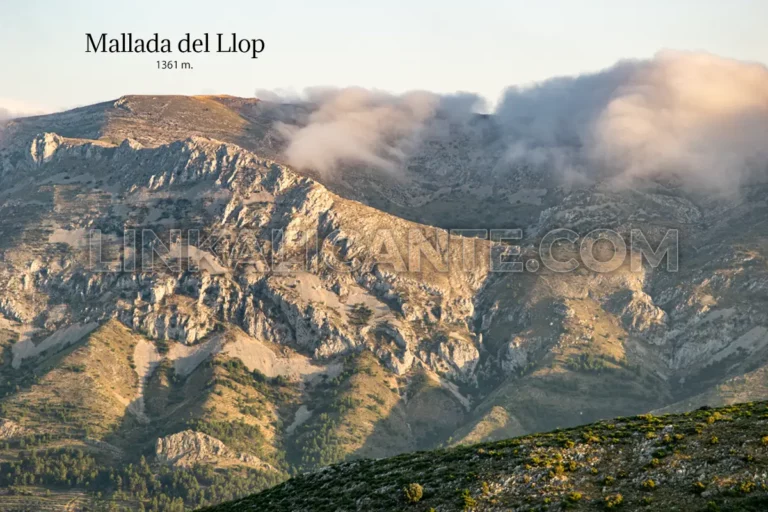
(441, 179)
(242, 356)
(712, 459)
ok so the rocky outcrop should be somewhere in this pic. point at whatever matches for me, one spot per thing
(189, 448)
(516, 355)
(11, 430)
(462, 355)
(44, 146)
(637, 311)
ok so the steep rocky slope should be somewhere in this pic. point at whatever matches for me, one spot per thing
(290, 320)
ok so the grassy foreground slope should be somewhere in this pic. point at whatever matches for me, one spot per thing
(708, 459)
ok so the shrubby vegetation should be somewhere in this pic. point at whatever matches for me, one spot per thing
(317, 442)
(644, 462)
(161, 489)
(360, 314)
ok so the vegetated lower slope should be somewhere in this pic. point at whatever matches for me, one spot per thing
(81, 391)
(83, 433)
(360, 414)
(708, 459)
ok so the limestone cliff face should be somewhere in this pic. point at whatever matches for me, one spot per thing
(225, 188)
(312, 267)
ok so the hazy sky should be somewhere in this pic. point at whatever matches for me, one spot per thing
(444, 46)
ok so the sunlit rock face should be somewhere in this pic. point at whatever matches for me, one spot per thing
(346, 277)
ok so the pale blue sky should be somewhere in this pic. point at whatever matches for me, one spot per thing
(444, 46)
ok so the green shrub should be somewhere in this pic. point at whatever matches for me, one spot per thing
(614, 501)
(413, 493)
(467, 500)
(747, 487)
(360, 314)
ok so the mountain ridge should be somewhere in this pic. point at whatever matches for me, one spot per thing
(299, 365)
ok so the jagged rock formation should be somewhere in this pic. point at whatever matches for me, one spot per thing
(303, 320)
(242, 191)
(188, 448)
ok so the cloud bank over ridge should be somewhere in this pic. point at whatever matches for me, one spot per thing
(11, 109)
(695, 118)
(366, 127)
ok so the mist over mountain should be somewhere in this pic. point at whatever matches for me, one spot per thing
(367, 328)
(10, 109)
(692, 117)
